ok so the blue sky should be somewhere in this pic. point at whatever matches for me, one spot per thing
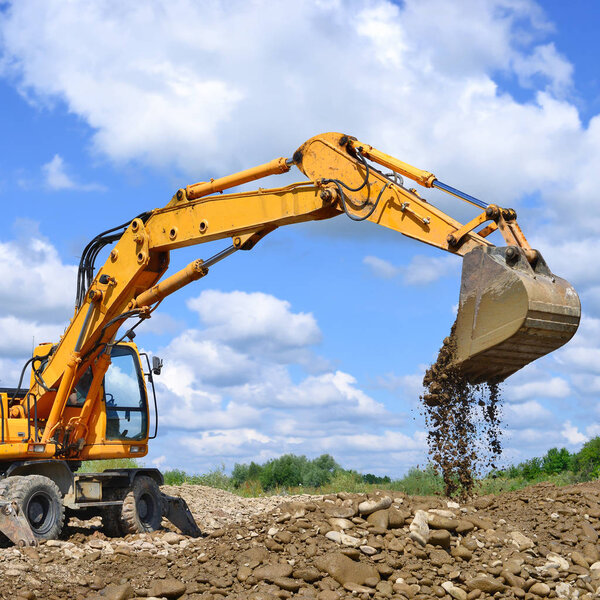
(316, 340)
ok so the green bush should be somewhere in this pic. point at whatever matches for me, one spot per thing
(587, 461)
(286, 471)
(531, 469)
(420, 482)
(175, 477)
(374, 479)
(556, 461)
(242, 473)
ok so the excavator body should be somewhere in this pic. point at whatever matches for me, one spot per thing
(87, 397)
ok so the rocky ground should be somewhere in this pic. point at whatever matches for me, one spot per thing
(541, 542)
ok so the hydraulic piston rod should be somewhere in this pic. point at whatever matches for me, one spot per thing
(195, 270)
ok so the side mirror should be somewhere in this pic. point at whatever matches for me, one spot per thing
(157, 365)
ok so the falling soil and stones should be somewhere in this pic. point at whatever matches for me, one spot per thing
(541, 542)
(463, 423)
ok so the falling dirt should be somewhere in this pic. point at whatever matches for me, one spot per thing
(463, 422)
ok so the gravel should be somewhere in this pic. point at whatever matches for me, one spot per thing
(505, 546)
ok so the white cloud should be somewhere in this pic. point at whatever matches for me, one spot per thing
(572, 434)
(522, 416)
(545, 61)
(58, 179)
(555, 387)
(226, 443)
(244, 319)
(229, 384)
(592, 430)
(422, 270)
(196, 96)
(380, 267)
(19, 337)
(331, 389)
(36, 284)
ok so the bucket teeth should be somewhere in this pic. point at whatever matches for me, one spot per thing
(510, 313)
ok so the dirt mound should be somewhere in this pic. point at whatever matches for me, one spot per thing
(534, 543)
(463, 422)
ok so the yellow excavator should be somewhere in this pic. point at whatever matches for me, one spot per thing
(86, 396)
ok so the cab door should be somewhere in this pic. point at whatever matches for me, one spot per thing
(125, 396)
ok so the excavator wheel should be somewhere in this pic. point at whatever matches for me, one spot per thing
(142, 506)
(40, 500)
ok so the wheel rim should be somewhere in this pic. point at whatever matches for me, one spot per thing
(146, 508)
(40, 512)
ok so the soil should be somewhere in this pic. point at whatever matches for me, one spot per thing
(463, 422)
(534, 543)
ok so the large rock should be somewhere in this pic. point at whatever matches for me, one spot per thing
(308, 574)
(438, 522)
(272, 572)
(285, 583)
(370, 506)
(489, 585)
(556, 561)
(578, 559)
(462, 552)
(118, 592)
(454, 591)
(522, 542)
(464, 527)
(379, 518)
(397, 518)
(253, 556)
(167, 588)
(440, 537)
(419, 528)
(589, 531)
(540, 589)
(479, 522)
(345, 570)
(341, 524)
(340, 537)
(341, 512)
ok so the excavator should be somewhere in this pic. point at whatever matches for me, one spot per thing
(89, 396)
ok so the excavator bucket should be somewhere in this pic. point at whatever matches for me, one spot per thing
(510, 313)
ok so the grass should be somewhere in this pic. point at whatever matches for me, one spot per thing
(417, 482)
(496, 485)
(97, 466)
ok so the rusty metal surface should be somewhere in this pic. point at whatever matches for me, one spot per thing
(14, 525)
(510, 313)
(176, 510)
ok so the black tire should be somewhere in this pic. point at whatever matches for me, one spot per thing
(40, 500)
(142, 506)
